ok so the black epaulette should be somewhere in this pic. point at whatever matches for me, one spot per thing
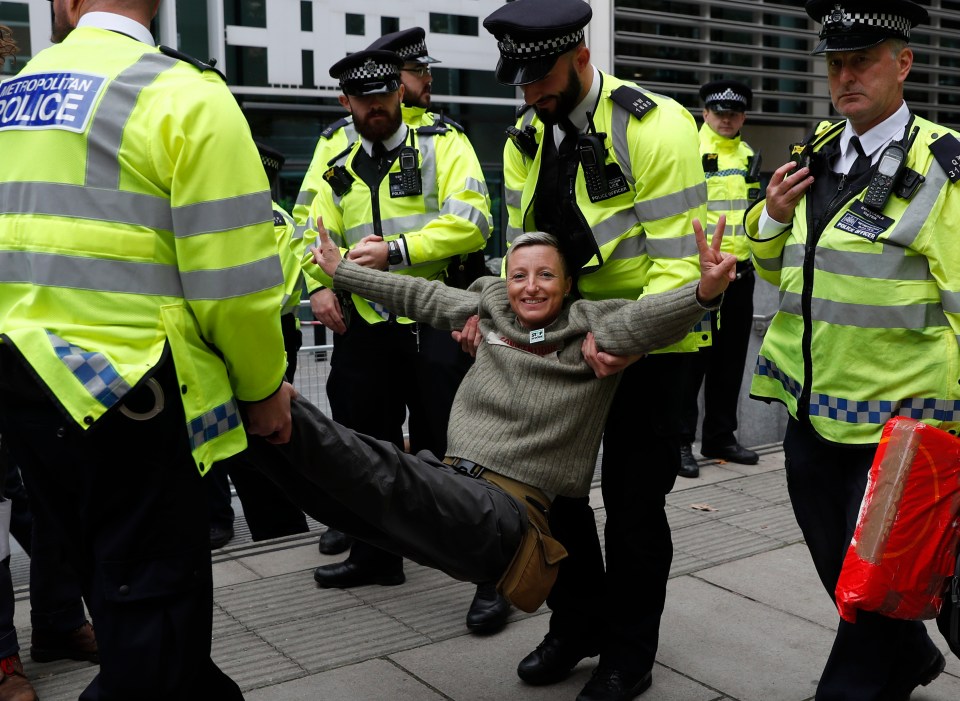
(946, 150)
(278, 219)
(442, 119)
(432, 130)
(331, 128)
(195, 62)
(633, 101)
(521, 109)
(340, 155)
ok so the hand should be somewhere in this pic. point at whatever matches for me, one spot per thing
(717, 269)
(270, 418)
(604, 364)
(326, 254)
(326, 309)
(371, 252)
(783, 193)
(469, 336)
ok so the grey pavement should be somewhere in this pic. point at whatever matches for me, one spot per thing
(746, 618)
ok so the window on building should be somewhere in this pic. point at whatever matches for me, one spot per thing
(247, 65)
(355, 24)
(306, 15)
(388, 25)
(16, 16)
(463, 25)
(243, 13)
(192, 30)
(306, 60)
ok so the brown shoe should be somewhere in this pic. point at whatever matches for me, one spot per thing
(14, 685)
(78, 644)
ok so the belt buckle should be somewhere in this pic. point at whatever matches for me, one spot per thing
(466, 467)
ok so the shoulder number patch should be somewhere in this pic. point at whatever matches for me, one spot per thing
(946, 150)
(633, 101)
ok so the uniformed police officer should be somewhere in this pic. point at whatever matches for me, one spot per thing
(614, 173)
(139, 320)
(731, 169)
(865, 253)
(407, 199)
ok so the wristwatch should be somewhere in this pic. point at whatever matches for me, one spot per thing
(394, 254)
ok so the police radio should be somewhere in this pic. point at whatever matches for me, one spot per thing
(407, 182)
(885, 177)
(602, 181)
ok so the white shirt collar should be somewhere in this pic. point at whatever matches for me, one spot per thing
(390, 143)
(874, 140)
(118, 23)
(588, 104)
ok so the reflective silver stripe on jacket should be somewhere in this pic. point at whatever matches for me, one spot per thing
(513, 198)
(96, 274)
(306, 197)
(728, 205)
(396, 225)
(673, 204)
(428, 172)
(79, 202)
(874, 411)
(92, 370)
(868, 316)
(214, 423)
(222, 215)
(919, 208)
(118, 103)
(889, 263)
(238, 281)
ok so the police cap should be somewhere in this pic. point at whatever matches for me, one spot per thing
(851, 25)
(409, 44)
(533, 34)
(726, 96)
(272, 161)
(368, 72)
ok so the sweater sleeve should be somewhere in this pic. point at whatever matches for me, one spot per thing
(654, 321)
(429, 301)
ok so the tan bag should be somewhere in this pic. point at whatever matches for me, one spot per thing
(534, 567)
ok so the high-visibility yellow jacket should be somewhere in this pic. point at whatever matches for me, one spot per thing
(645, 235)
(332, 142)
(135, 217)
(869, 319)
(450, 218)
(726, 163)
(284, 227)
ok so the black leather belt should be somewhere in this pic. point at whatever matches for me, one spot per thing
(467, 467)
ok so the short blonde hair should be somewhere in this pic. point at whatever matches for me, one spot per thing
(537, 238)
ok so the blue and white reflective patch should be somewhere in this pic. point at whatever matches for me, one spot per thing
(49, 101)
(863, 222)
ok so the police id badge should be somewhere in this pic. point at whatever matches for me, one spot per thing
(49, 101)
(863, 222)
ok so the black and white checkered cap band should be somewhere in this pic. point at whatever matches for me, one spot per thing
(727, 95)
(413, 50)
(369, 70)
(511, 48)
(882, 20)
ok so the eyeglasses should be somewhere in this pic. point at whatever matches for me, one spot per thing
(419, 71)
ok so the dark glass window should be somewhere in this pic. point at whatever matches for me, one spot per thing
(388, 25)
(355, 24)
(306, 60)
(306, 15)
(247, 65)
(244, 13)
(454, 24)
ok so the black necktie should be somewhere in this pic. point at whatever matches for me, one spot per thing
(379, 156)
(570, 133)
(862, 164)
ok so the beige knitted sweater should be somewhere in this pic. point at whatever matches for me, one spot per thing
(531, 411)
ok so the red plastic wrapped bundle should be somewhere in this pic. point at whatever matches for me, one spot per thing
(905, 544)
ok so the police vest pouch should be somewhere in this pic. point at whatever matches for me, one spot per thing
(534, 568)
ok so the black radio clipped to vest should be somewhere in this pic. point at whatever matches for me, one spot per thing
(407, 182)
(525, 141)
(603, 180)
(339, 180)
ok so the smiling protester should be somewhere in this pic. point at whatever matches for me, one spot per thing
(864, 251)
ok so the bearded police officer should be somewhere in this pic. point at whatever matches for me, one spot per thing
(732, 172)
(614, 173)
(405, 199)
(139, 320)
(862, 243)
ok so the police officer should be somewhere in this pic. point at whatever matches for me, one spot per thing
(731, 169)
(612, 171)
(139, 325)
(269, 513)
(868, 267)
(407, 199)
